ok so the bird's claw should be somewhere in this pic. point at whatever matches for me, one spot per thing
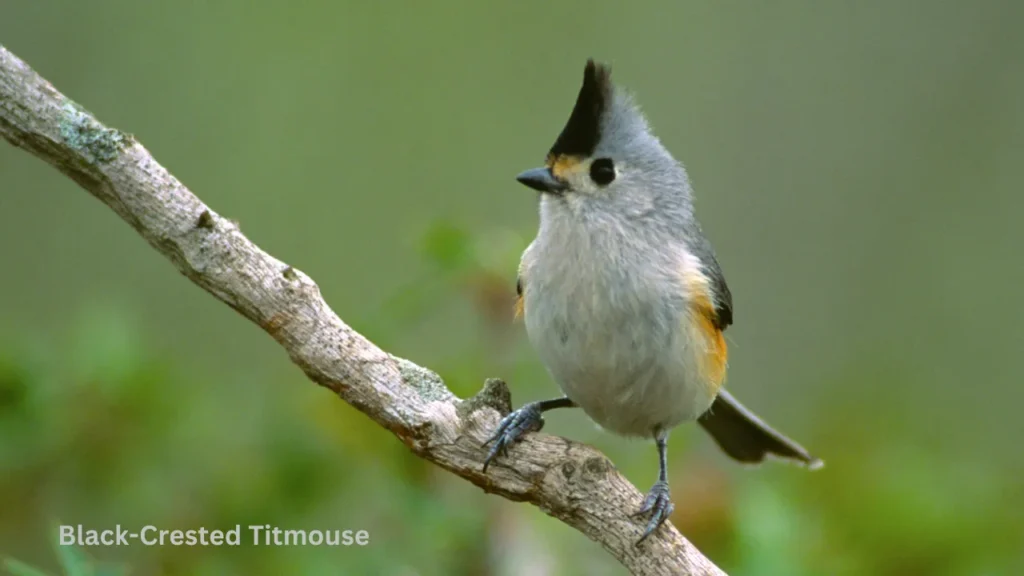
(658, 505)
(511, 428)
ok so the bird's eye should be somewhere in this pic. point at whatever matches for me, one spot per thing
(602, 171)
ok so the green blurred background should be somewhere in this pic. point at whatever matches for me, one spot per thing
(854, 164)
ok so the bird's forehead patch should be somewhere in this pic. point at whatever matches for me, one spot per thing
(563, 165)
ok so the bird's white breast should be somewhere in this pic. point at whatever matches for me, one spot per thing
(610, 320)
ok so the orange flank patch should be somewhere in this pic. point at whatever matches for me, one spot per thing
(562, 166)
(705, 318)
(717, 353)
(519, 307)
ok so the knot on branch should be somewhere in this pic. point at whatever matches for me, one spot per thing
(494, 395)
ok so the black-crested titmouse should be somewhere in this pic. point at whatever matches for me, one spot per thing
(622, 295)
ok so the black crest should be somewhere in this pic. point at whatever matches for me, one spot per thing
(583, 130)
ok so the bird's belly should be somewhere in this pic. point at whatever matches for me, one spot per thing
(631, 370)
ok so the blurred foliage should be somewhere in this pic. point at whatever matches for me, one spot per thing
(73, 562)
(856, 166)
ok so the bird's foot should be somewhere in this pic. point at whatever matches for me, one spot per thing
(512, 428)
(657, 505)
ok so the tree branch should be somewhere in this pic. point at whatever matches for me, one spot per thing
(570, 481)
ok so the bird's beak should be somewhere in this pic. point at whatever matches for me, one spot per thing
(541, 180)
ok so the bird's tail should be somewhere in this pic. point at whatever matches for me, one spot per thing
(745, 437)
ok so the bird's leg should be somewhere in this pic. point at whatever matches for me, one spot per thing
(518, 422)
(658, 503)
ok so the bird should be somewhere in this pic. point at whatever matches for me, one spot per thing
(623, 298)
